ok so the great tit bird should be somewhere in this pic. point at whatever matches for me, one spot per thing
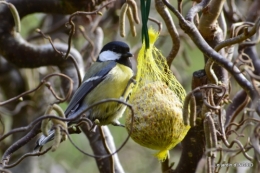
(108, 77)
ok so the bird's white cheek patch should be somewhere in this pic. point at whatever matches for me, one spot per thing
(109, 55)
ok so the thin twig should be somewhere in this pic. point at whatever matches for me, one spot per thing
(62, 54)
(157, 22)
(43, 82)
(26, 155)
(71, 23)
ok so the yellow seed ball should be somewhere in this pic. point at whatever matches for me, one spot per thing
(158, 122)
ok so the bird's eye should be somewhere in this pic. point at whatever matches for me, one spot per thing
(113, 49)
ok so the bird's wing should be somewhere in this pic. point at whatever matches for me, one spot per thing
(88, 85)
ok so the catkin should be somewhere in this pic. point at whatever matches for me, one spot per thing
(122, 19)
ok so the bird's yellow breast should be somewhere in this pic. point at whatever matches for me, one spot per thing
(113, 86)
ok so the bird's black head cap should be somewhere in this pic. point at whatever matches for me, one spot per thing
(117, 47)
(116, 51)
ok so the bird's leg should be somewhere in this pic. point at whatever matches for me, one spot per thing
(93, 128)
(129, 85)
(132, 80)
(117, 123)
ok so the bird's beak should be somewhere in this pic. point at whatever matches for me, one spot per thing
(126, 55)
